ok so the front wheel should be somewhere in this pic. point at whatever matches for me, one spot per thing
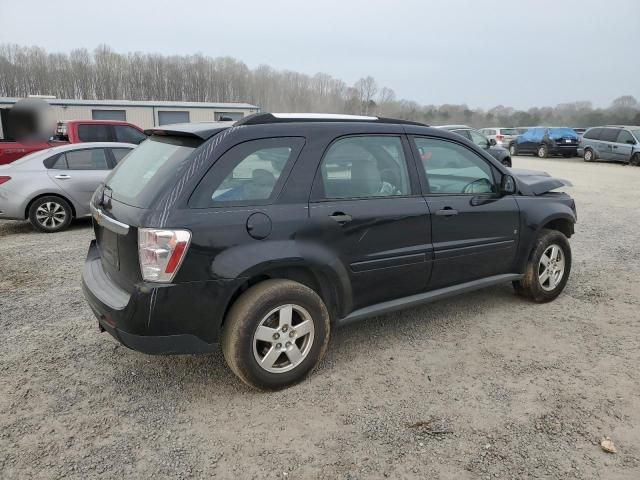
(588, 155)
(548, 268)
(543, 151)
(506, 162)
(635, 160)
(275, 334)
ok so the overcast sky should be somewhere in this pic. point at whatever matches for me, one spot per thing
(481, 52)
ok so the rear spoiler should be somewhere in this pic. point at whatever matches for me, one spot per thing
(191, 130)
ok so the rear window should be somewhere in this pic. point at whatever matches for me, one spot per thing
(149, 168)
(95, 133)
(562, 132)
(509, 131)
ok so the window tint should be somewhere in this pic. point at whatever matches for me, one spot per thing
(250, 172)
(453, 169)
(120, 115)
(58, 162)
(149, 169)
(593, 134)
(464, 133)
(371, 166)
(609, 134)
(119, 153)
(509, 131)
(90, 159)
(128, 134)
(478, 139)
(625, 137)
(95, 133)
(169, 117)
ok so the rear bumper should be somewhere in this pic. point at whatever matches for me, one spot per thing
(157, 319)
(564, 149)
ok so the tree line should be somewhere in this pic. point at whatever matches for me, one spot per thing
(105, 74)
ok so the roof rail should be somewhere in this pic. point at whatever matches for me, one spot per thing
(264, 118)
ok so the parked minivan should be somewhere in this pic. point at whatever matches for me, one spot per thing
(611, 144)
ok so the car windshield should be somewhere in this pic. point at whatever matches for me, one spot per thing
(148, 169)
(636, 133)
(509, 131)
(562, 132)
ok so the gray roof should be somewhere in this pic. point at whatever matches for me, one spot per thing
(135, 103)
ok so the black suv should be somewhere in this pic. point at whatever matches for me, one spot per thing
(264, 234)
(499, 153)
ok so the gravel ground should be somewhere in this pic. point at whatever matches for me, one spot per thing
(481, 386)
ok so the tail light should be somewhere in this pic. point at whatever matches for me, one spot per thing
(161, 252)
(4, 179)
(500, 137)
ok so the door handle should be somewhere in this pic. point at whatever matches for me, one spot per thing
(62, 176)
(340, 217)
(447, 212)
(615, 146)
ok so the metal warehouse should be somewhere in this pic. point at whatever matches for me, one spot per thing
(145, 114)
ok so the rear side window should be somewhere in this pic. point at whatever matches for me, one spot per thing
(119, 153)
(126, 134)
(509, 131)
(149, 168)
(367, 166)
(95, 133)
(593, 134)
(557, 133)
(609, 134)
(251, 173)
(87, 159)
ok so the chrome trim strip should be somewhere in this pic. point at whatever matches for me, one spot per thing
(107, 222)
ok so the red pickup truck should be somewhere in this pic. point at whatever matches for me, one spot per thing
(74, 131)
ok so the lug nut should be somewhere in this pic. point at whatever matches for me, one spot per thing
(292, 333)
(284, 328)
(279, 345)
(276, 336)
(288, 344)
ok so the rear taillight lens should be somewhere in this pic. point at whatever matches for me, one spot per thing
(161, 252)
(4, 179)
(499, 137)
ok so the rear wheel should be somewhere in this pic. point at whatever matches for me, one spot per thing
(588, 155)
(635, 160)
(506, 162)
(275, 334)
(543, 151)
(50, 214)
(548, 268)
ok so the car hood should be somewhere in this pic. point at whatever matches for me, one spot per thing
(535, 182)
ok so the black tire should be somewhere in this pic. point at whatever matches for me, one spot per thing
(542, 151)
(50, 214)
(588, 155)
(250, 311)
(635, 160)
(513, 150)
(530, 286)
(506, 161)
(567, 155)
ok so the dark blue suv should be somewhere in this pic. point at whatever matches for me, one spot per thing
(546, 141)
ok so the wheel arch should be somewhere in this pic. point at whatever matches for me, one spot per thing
(563, 224)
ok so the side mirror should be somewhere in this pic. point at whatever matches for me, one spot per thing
(492, 142)
(507, 185)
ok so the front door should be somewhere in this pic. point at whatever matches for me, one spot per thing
(474, 228)
(367, 209)
(623, 147)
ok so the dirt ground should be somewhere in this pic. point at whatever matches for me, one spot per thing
(482, 386)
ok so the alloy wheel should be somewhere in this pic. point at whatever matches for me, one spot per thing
(551, 267)
(51, 215)
(283, 338)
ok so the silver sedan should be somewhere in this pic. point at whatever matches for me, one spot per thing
(53, 186)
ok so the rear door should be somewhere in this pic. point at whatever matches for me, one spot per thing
(608, 138)
(474, 229)
(366, 206)
(79, 172)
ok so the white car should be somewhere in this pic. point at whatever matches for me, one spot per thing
(51, 187)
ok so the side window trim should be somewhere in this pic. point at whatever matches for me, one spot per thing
(317, 194)
(422, 175)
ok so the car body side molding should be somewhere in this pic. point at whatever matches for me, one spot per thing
(427, 297)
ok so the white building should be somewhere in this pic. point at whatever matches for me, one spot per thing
(145, 114)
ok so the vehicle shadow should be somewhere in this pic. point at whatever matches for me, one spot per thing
(194, 376)
(23, 227)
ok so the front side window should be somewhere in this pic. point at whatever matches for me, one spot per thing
(95, 133)
(625, 137)
(249, 173)
(451, 168)
(479, 140)
(367, 166)
(89, 159)
(127, 134)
